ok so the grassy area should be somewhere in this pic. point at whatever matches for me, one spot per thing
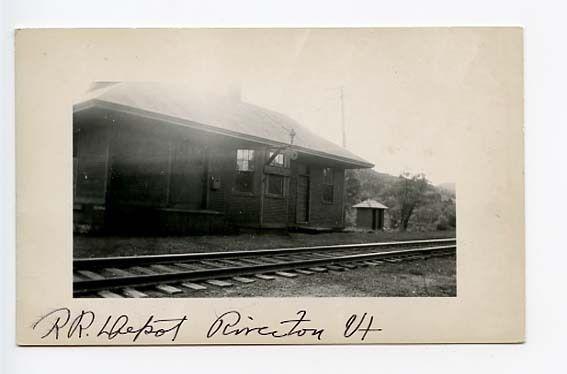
(101, 246)
(435, 277)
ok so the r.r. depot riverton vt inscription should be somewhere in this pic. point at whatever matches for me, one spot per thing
(64, 324)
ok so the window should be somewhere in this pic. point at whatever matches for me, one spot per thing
(245, 160)
(244, 170)
(279, 161)
(275, 184)
(244, 181)
(328, 186)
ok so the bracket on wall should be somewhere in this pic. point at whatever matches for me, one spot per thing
(279, 150)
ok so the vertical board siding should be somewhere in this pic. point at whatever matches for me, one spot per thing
(166, 174)
(364, 218)
(275, 211)
(91, 164)
(324, 214)
(187, 182)
(140, 165)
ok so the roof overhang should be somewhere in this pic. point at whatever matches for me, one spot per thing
(97, 103)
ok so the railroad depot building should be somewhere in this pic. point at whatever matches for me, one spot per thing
(152, 157)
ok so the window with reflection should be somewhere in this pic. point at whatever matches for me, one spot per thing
(280, 160)
(244, 181)
(275, 185)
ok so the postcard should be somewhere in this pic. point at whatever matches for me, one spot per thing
(270, 186)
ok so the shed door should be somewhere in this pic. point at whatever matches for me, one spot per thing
(302, 198)
(374, 219)
(380, 219)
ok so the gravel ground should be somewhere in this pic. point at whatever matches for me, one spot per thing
(104, 246)
(432, 277)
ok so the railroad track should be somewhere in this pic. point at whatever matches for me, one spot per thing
(130, 276)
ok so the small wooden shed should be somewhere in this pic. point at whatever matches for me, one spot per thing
(370, 214)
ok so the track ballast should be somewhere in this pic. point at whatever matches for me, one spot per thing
(128, 276)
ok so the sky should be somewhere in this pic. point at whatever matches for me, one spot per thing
(412, 97)
(396, 86)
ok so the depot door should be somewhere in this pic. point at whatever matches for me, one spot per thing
(302, 199)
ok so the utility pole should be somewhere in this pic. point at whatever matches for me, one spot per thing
(341, 88)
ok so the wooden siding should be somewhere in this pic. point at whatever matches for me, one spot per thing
(242, 208)
(91, 164)
(365, 219)
(139, 171)
(323, 214)
(133, 164)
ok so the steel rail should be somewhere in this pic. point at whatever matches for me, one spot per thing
(81, 287)
(117, 261)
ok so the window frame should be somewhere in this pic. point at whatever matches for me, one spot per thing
(267, 187)
(285, 164)
(250, 170)
(250, 159)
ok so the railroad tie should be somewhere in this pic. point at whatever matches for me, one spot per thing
(186, 266)
(349, 266)
(193, 286)
(392, 260)
(211, 263)
(318, 269)
(118, 272)
(336, 268)
(253, 262)
(233, 263)
(303, 271)
(219, 283)
(142, 270)
(243, 279)
(163, 268)
(264, 277)
(109, 295)
(131, 292)
(302, 257)
(270, 260)
(285, 274)
(90, 275)
(297, 258)
(166, 288)
(372, 263)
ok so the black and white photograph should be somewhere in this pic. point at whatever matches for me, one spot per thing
(186, 193)
(282, 186)
(216, 186)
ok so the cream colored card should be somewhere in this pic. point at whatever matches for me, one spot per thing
(444, 101)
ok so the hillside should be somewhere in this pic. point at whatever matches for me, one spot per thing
(435, 209)
(448, 187)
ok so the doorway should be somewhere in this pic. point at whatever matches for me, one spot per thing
(302, 212)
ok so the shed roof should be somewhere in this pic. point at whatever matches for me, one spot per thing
(373, 204)
(179, 104)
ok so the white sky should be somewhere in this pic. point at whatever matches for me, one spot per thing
(395, 85)
(398, 84)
